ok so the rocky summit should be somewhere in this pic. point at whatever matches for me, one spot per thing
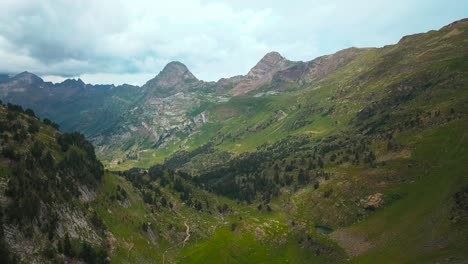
(174, 78)
(262, 73)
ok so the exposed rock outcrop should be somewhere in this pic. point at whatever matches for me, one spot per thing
(262, 73)
(372, 201)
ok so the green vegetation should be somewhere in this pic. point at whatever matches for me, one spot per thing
(366, 165)
(441, 173)
(42, 172)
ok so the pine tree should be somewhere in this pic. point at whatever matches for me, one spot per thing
(67, 247)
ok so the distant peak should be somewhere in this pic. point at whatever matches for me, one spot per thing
(273, 55)
(27, 76)
(175, 64)
(73, 83)
(172, 75)
(175, 70)
(272, 58)
(270, 63)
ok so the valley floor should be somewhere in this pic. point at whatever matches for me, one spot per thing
(416, 224)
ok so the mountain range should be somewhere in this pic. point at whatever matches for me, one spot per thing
(359, 156)
(171, 103)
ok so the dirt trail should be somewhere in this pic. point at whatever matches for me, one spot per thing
(187, 233)
(187, 237)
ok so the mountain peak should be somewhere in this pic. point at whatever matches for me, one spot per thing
(28, 77)
(273, 55)
(270, 63)
(25, 74)
(175, 77)
(262, 73)
(72, 83)
(175, 71)
(175, 65)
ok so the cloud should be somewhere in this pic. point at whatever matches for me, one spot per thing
(106, 41)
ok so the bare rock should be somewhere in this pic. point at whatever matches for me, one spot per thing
(372, 201)
(87, 195)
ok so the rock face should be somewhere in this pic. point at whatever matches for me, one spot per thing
(262, 73)
(317, 69)
(277, 72)
(320, 67)
(271, 63)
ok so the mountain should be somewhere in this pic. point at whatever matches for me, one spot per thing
(274, 72)
(71, 103)
(359, 156)
(262, 73)
(371, 138)
(371, 154)
(160, 111)
(132, 124)
(27, 79)
(174, 78)
(46, 177)
(320, 67)
(168, 108)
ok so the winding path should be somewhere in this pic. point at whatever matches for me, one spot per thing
(187, 233)
(187, 237)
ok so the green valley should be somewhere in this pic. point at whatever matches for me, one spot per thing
(355, 157)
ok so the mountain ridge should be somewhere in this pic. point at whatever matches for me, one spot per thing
(274, 55)
(175, 73)
(177, 77)
(175, 105)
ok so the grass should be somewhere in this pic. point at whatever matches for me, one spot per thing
(279, 245)
(125, 223)
(418, 227)
(258, 237)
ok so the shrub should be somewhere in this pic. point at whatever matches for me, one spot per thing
(30, 112)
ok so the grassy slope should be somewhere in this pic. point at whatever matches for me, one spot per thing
(125, 223)
(417, 227)
(262, 238)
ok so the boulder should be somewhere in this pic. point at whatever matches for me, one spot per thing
(372, 201)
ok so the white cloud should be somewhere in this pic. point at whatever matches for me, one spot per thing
(106, 41)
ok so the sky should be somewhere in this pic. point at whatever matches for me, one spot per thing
(111, 41)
